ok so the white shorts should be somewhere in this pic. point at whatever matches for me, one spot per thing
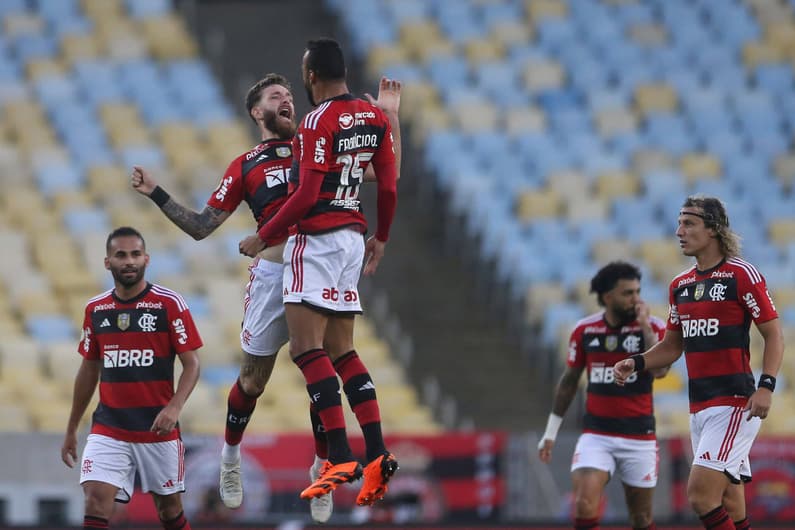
(722, 438)
(264, 324)
(160, 465)
(322, 270)
(635, 460)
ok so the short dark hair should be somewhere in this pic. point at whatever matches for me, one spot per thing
(123, 231)
(254, 93)
(608, 276)
(325, 58)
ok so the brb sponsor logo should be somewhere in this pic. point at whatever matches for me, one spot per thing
(128, 358)
(700, 327)
(603, 375)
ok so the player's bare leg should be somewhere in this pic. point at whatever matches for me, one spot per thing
(588, 484)
(99, 502)
(169, 509)
(734, 502)
(705, 490)
(639, 505)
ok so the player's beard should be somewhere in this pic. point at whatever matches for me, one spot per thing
(128, 281)
(283, 129)
(626, 315)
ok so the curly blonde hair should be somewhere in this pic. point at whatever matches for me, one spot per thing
(715, 217)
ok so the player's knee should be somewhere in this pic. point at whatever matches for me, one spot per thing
(585, 506)
(169, 507)
(96, 505)
(640, 519)
(253, 385)
(700, 501)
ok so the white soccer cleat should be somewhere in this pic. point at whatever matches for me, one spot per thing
(231, 487)
(320, 507)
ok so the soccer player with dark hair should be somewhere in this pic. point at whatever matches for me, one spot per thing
(712, 305)
(335, 144)
(131, 336)
(618, 434)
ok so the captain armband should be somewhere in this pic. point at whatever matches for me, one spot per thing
(767, 381)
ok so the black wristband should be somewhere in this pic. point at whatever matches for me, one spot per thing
(767, 381)
(640, 362)
(159, 196)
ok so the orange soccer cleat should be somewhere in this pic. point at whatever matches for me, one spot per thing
(331, 477)
(376, 475)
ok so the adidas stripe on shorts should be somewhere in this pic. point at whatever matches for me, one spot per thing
(635, 461)
(722, 437)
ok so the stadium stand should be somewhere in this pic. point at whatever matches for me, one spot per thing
(87, 89)
(584, 125)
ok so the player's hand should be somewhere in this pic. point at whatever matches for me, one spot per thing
(373, 252)
(388, 95)
(69, 449)
(545, 450)
(642, 313)
(165, 421)
(759, 403)
(251, 246)
(622, 370)
(141, 181)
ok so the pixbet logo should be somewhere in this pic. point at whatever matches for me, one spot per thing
(125, 358)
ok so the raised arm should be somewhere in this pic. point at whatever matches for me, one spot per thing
(389, 102)
(195, 224)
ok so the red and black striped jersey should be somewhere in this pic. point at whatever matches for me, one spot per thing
(340, 138)
(628, 410)
(258, 177)
(137, 341)
(713, 310)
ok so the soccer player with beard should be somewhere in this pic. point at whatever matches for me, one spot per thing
(334, 145)
(712, 305)
(131, 336)
(259, 177)
(618, 433)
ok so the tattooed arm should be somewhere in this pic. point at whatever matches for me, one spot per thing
(195, 224)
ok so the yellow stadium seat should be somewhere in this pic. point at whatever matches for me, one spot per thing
(648, 34)
(511, 33)
(79, 46)
(757, 53)
(616, 184)
(582, 209)
(700, 166)
(608, 250)
(541, 9)
(102, 9)
(782, 231)
(572, 182)
(615, 121)
(435, 118)
(45, 67)
(27, 23)
(770, 11)
(535, 204)
(416, 98)
(646, 160)
(655, 98)
(103, 181)
(781, 35)
(783, 297)
(483, 50)
(544, 75)
(523, 120)
(663, 257)
(168, 38)
(384, 55)
(784, 169)
(476, 116)
(671, 383)
(541, 296)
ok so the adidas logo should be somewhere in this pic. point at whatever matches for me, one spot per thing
(367, 386)
(705, 456)
(648, 477)
(105, 323)
(594, 343)
(168, 484)
(684, 293)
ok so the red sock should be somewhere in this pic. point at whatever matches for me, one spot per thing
(92, 522)
(586, 524)
(239, 407)
(177, 523)
(324, 393)
(360, 390)
(650, 527)
(717, 519)
(742, 524)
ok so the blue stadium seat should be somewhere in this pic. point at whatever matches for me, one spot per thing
(147, 8)
(165, 264)
(8, 7)
(52, 10)
(144, 155)
(34, 46)
(80, 222)
(61, 177)
(50, 328)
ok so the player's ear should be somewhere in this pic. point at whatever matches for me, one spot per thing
(107, 263)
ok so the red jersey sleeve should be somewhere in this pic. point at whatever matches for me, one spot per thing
(753, 295)
(182, 330)
(88, 345)
(386, 178)
(673, 312)
(229, 193)
(658, 325)
(576, 355)
(315, 148)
